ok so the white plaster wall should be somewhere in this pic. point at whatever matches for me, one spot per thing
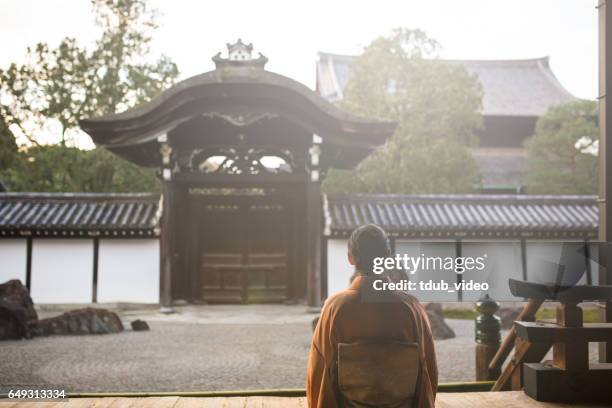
(13, 253)
(62, 270)
(432, 248)
(339, 271)
(502, 260)
(128, 270)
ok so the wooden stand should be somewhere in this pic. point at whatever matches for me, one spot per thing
(569, 377)
(510, 378)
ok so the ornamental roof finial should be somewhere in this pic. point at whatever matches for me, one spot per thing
(239, 54)
(239, 51)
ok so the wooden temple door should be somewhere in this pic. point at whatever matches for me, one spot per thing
(243, 251)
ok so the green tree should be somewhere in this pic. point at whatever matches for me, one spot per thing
(436, 105)
(562, 154)
(58, 86)
(57, 168)
(8, 147)
(9, 155)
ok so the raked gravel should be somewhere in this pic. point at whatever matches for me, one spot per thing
(198, 349)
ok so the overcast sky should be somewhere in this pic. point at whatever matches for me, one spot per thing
(290, 33)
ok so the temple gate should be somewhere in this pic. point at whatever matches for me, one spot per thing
(241, 153)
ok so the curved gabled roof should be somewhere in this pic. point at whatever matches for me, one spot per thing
(524, 87)
(241, 87)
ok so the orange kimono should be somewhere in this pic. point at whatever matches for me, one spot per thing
(346, 318)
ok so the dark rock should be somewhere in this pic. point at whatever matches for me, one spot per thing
(14, 291)
(508, 315)
(439, 328)
(13, 323)
(79, 321)
(18, 318)
(139, 325)
(435, 308)
(314, 323)
(16, 310)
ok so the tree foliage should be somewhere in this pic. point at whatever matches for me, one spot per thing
(436, 105)
(8, 147)
(57, 168)
(57, 86)
(562, 154)
(8, 153)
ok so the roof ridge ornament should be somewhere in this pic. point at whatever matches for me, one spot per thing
(239, 55)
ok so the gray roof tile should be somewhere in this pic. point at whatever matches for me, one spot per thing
(419, 216)
(53, 214)
(464, 215)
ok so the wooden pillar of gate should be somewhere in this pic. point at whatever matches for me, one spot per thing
(314, 215)
(166, 228)
(605, 159)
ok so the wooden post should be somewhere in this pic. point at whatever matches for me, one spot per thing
(488, 338)
(605, 160)
(459, 277)
(165, 261)
(315, 225)
(96, 264)
(28, 278)
(165, 239)
(570, 355)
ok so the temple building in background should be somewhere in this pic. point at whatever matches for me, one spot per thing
(515, 94)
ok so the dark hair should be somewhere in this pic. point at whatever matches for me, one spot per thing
(366, 243)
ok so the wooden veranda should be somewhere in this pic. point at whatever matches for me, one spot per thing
(510, 399)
